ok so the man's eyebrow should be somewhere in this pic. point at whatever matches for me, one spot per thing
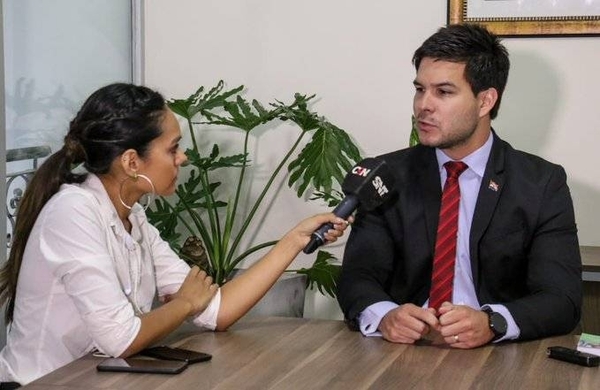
(438, 85)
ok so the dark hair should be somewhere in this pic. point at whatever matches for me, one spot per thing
(113, 119)
(486, 59)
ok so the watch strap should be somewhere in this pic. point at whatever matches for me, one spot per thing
(499, 329)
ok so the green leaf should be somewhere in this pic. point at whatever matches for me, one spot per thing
(331, 198)
(324, 274)
(198, 102)
(162, 217)
(414, 133)
(324, 160)
(213, 161)
(184, 107)
(243, 115)
(298, 112)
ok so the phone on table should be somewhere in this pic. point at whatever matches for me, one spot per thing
(573, 356)
(174, 353)
(151, 366)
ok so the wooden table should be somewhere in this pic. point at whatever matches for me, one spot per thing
(590, 317)
(590, 259)
(297, 353)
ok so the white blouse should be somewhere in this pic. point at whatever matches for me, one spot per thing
(84, 280)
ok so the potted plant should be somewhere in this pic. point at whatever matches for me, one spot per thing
(210, 220)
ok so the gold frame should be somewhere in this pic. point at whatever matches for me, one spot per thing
(514, 27)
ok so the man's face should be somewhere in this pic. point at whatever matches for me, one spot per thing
(449, 116)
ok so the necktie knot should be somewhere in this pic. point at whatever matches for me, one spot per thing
(455, 168)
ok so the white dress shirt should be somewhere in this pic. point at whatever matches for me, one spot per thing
(85, 280)
(463, 288)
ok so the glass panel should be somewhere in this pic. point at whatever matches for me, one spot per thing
(56, 52)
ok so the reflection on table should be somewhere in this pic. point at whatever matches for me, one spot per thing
(297, 353)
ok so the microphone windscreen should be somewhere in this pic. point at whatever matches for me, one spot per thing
(370, 181)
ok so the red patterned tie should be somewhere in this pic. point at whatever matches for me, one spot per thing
(445, 246)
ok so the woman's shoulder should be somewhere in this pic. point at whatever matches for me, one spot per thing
(72, 195)
(72, 202)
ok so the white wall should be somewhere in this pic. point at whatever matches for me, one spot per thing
(355, 55)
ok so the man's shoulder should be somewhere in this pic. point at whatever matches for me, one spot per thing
(527, 173)
(526, 162)
(411, 155)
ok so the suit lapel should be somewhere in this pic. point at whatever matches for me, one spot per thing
(428, 178)
(492, 185)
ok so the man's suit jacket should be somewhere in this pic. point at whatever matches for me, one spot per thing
(523, 241)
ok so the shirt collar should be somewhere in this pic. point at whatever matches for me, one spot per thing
(93, 184)
(476, 160)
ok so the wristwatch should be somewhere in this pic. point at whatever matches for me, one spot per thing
(497, 323)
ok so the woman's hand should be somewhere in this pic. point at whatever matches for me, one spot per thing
(242, 292)
(193, 297)
(197, 290)
(305, 229)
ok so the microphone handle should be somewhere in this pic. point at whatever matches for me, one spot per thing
(343, 210)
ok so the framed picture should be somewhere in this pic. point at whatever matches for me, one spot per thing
(513, 18)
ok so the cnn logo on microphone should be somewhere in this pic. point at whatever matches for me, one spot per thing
(377, 182)
(360, 171)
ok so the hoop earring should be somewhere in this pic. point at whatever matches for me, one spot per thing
(151, 195)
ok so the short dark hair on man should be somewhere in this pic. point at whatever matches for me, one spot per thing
(486, 59)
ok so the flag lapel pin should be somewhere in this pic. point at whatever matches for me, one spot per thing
(493, 186)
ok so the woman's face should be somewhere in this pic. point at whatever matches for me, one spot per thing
(164, 157)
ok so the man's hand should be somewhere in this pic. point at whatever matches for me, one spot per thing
(408, 323)
(464, 327)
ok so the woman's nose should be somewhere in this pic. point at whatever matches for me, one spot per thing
(183, 160)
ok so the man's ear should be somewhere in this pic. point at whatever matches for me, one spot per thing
(130, 161)
(487, 100)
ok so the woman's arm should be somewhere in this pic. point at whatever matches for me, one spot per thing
(241, 293)
(193, 296)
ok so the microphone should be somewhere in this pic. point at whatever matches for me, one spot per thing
(369, 183)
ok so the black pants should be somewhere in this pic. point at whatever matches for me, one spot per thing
(9, 385)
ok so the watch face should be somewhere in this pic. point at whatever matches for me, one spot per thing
(498, 324)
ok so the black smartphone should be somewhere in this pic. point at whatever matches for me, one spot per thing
(151, 366)
(173, 353)
(573, 356)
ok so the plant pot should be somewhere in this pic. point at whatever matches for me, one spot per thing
(284, 299)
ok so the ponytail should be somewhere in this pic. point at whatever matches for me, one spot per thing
(46, 182)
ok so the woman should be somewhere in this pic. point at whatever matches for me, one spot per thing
(85, 263)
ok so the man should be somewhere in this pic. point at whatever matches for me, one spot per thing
(515, 270)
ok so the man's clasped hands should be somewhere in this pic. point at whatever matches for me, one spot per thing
(458, 326)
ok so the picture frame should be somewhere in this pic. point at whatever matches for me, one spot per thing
(502, 18)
